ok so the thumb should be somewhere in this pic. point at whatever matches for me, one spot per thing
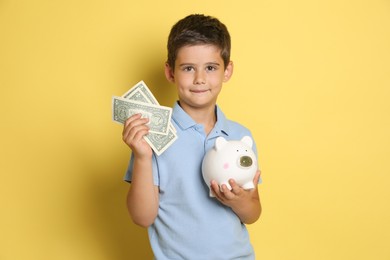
(257, 177)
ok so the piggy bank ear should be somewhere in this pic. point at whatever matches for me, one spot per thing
(220, 143)
(247, 140)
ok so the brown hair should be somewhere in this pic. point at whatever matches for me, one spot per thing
(198, 29)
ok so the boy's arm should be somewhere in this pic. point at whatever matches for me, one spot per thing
(245, 203)
(142, 198)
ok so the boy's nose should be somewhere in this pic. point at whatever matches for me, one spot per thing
(200, 78)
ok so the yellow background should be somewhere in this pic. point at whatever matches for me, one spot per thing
(311, 81)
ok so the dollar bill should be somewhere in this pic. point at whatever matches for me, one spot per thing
(138, 95)
(159, 116)
(159, 143)
(141, 92)
(141, 87)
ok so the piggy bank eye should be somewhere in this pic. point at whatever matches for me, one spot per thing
(245, 161)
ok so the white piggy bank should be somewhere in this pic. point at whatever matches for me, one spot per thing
(230, 160)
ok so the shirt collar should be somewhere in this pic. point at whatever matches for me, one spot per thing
(222, 122)
(184, 121)
(181, 118)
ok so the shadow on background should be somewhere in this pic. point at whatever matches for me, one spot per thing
(106, 214)
(116, 235)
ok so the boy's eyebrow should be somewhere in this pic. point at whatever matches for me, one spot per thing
(213, 63)
(186, 64)
(192, 64)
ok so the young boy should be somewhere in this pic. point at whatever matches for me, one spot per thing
(167, 192)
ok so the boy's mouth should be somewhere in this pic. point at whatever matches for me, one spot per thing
(199, 91)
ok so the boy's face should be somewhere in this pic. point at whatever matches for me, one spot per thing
(198, 75)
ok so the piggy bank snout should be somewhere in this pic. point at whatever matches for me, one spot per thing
(245, 161)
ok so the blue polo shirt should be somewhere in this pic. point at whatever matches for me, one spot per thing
(190, 224)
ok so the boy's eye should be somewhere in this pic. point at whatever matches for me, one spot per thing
(210, 68)
(188, 68)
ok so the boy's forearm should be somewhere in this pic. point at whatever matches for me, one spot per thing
(249, 212)
(142, 199)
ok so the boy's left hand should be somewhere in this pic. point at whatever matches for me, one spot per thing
(237, 196)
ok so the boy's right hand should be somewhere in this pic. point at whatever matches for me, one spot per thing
(134, 130)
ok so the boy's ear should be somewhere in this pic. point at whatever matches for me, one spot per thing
(228, 71)
(169, 73)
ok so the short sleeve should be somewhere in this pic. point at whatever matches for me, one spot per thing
(129, 172)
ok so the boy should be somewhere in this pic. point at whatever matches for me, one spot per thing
(167, 192)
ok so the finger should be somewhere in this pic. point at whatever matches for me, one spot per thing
(256, 178)
(215, 188)
(226, 193)
(139, 132)
(136, 133)
(219, 191)
(132, 118)
(133, 122)
(133, 128)
(236, 189)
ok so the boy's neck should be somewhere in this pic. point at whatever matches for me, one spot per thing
(204, 116)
